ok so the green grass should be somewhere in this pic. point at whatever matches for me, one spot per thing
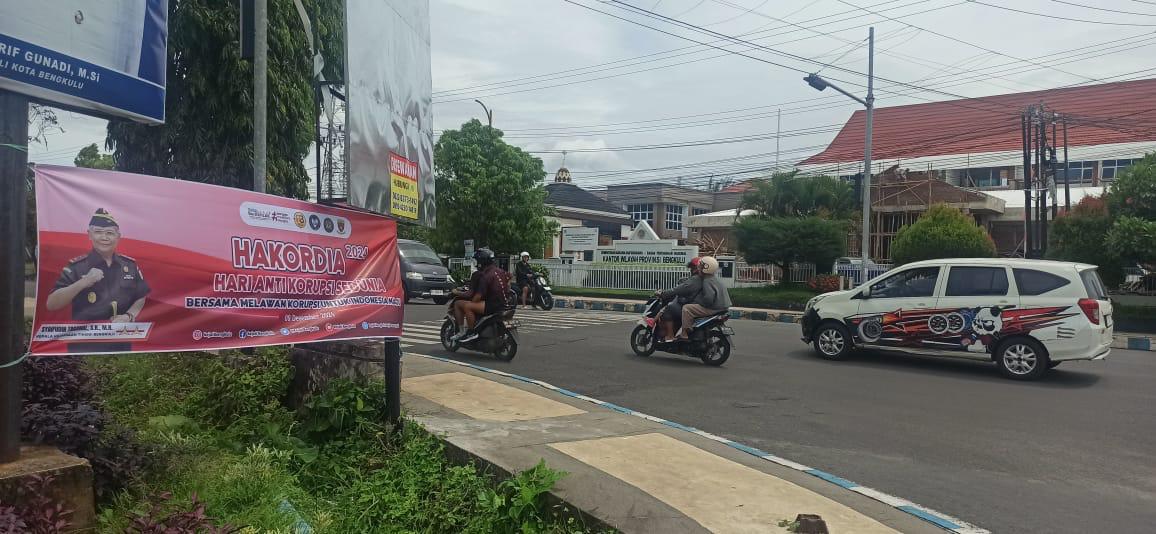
(790, 297)
(220, 434)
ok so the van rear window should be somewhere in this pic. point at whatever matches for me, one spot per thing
(1032, 282)
(1094, 285)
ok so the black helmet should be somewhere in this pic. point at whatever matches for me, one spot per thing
(484, 256)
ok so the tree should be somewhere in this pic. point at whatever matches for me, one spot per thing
(1080, 235)
(942, 232)
(790, 195)
(488, 191)
(1134, 191)
(208, 130)
(1133, 239)
(90, 157)
(785, 240)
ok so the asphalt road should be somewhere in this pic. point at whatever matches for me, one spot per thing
(1075, 452)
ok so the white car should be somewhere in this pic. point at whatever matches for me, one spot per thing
(1026, 315)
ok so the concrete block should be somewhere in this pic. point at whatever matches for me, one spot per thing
(758, 316)
(71, 482)
(598, 306)
(1139, 343)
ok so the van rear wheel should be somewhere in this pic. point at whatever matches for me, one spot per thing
(1022, 358)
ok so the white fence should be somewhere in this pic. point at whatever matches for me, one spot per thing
(604, 276)
(767, 274)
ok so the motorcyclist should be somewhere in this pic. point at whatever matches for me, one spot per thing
(522, 272)
(684, 293)
(713, 298)
(487, 297)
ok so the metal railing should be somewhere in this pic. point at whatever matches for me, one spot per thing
(614, 276)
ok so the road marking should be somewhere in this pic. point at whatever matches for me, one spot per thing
(485, 399)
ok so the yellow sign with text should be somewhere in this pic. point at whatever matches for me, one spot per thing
(403, 192)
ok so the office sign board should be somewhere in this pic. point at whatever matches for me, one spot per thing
(133, 263)
(579, 239)
(390, 119)
(106, 57)
(661, 252)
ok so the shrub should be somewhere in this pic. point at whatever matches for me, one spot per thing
(461, 275)
(1080, 235)
(38, 512)
(1133, 239)
(116, 456)
(343, 408)
(824, 283)
(942, 232)
(1134, 192)
(56, 380)
(163, 519)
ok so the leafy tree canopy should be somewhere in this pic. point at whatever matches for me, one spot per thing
(1134, 191)
(790, 195)
(1080, 235)
(208, 131)
(488, 191)
(92, 158)
(942, 232)
(783, 240)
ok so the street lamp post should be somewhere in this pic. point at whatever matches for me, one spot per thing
(489, 114)
(820, 84)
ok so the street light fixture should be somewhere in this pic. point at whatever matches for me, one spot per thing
(489, 113)
(815, 81)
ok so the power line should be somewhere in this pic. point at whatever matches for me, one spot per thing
(1014, 10)
(1104, 9)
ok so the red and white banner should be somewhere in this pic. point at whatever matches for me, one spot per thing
(132, 263)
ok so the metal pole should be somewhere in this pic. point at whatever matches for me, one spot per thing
(393, 381)
(778, 131)
(1067, 170)
(1052, 167)
(1041, 182)
(13, 172)
(1025, 126)
(260, 96)
(317, 104)
(867, 151)
(489, 114)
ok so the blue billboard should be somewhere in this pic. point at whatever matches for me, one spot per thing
(106, 57)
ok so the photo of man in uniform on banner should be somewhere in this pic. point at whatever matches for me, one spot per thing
(101, 286)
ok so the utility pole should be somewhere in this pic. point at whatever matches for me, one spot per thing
(260, 94)
(1067, 170)
(778, 132)
(13, 172)
(1052, 167)
(1026, 130)
(867, 150)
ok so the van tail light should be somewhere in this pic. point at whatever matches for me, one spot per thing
(1091, 309)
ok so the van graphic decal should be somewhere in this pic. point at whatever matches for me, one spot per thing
(963, 329)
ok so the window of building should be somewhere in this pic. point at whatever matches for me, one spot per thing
(1111, 168)
(986, 177)
(1081, 172)
(641, 212)
(674, 216)
(976, 282)
(699, 211)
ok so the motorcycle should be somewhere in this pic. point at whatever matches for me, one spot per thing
(540, 296)
(709, 340)
(497, 333)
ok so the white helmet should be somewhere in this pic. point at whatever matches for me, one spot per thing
(524, 254)
(709, 265)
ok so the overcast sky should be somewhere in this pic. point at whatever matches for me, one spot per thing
(559, 76)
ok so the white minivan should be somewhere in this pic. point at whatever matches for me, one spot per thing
(1026, 315)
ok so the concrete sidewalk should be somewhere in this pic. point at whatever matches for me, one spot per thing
(634, 472)
(1122, 340)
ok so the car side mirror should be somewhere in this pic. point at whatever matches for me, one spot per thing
(863, 295)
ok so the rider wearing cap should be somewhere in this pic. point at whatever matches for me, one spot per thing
(685, 292)
(522, 272)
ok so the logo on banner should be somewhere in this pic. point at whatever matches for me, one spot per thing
(328, 225)
(242, 334)
(198, 335)
(365, 326)
(299, 219)
(284, 331)
(314, 221)
(340, 226)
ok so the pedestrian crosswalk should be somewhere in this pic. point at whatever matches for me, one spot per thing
(529, 322)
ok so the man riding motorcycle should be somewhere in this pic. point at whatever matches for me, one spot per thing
(686, 292)
(713, 298)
